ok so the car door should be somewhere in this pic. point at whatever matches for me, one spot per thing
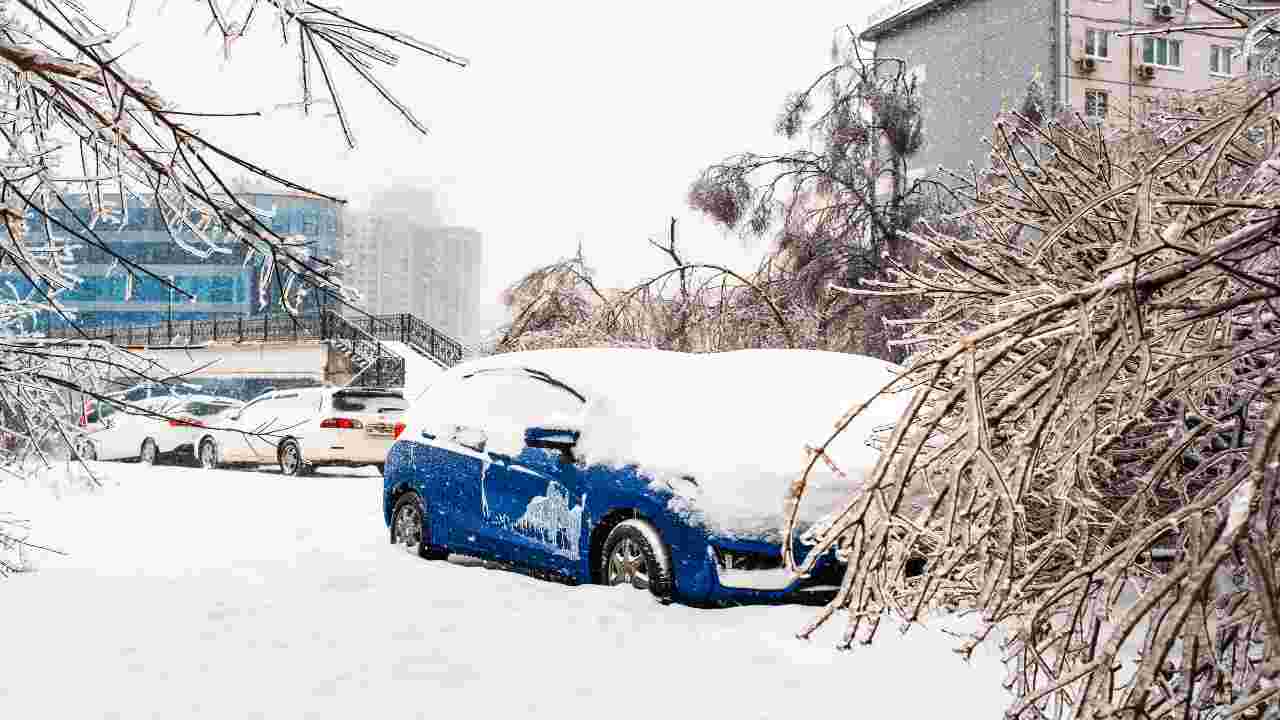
(532, 497)
(233, 445)
(276, 418)
(115, 440)
(453, 464)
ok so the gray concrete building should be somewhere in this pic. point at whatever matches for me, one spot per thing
(974, 57)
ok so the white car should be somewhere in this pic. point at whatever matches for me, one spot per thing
(305, 428)
(120, 432)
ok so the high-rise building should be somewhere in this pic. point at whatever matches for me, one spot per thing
(400, 265)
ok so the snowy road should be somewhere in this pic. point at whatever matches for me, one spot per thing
(222, 594)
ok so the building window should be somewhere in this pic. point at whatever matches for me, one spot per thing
(1095, 104)
(1220, 60)
(1162, 51)
(1095, 43)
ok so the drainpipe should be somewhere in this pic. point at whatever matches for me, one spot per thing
(1129, 77)
(1064, 54)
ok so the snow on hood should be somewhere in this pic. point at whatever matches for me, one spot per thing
(737, 422)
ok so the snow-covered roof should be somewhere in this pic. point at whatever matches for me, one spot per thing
(895, 14)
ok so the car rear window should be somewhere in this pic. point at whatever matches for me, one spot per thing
(369, 402)
(205, 409)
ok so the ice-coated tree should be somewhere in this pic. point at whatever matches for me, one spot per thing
(839, 205)
(1091, 460)
(74, 118)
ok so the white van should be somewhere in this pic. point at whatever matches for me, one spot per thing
(306, 428)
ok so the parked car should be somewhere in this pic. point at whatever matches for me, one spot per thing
(302, 429)
(656, 469)
(152, 429)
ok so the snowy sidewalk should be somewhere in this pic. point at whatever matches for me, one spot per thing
(222, 594)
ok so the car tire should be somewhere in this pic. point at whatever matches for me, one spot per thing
(87, 452)
(291, 461)
(207, 455)
(148, 454)
(635, 555)
(409, 527)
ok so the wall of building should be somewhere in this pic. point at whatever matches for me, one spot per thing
(977, 56)
(1116, 74)
(971, 58)
(402, 266)
(222, 283)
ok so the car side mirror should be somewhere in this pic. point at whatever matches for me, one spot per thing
(552, 439)
(469, 437)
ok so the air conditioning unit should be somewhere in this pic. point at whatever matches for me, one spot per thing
(1088, 64)
(1163, 11)
(1147, 72)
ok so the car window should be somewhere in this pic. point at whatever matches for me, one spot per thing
(369, 402)
(101, 411)
(501, 400)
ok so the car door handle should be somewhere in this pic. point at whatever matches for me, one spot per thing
(428, 435)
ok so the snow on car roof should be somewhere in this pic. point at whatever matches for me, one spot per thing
(738, 422)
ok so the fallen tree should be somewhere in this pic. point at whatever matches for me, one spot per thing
(1090, 459)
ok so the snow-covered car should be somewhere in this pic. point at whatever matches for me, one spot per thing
(305, 428)
(656, 469)
(152, 429)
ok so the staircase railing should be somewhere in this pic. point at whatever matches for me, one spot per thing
(375, 365)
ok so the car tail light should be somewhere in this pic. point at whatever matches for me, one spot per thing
(341, 424)
(399, 429)
(185, 422)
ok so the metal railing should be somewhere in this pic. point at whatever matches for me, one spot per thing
(358, 336)
(374, 364)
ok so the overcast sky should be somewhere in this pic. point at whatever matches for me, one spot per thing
(575, 122)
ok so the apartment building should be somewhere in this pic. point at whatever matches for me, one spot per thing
(400, 265)
(973, 58)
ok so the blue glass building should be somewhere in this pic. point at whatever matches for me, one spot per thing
(223, 284)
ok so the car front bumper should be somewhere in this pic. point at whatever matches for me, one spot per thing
(764, 578)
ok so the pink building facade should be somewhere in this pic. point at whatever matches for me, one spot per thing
(1108, 74)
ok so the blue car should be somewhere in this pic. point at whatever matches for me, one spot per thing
(660, 470)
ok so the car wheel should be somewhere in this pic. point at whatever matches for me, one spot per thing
(291, 462)
(148, 453)
(409, 529)
(635, 555)
(88, 451)
(208, 455)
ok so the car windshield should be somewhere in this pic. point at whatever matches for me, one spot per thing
(369, 402)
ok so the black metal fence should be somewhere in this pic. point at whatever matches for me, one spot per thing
(359, 334)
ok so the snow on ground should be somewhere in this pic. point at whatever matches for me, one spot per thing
(226, 594)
